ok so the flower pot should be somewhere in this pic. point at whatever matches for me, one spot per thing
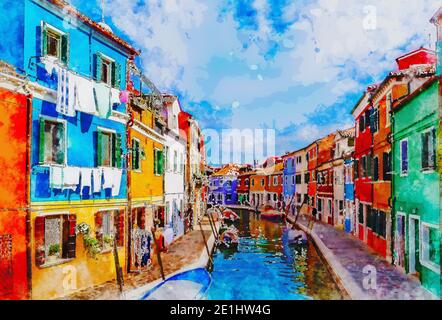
(52, 259)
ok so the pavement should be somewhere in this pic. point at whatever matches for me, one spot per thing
(186, 252)
(359, 270)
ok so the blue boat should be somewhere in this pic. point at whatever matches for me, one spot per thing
(188, 285)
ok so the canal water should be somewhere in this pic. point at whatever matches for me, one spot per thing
(266, 266)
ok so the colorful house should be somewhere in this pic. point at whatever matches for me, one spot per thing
(78, 143)
(223, 184)
(258, 181)
(274, 186)
(416, 185)
(344, 146)
(145, 175)
(14, 189)
(243, 188)
(175, 164)
(312, 161)
(363, 161)
(324, 178)
(301, 179)
(414, 65)
(349, 195)
(289, 185)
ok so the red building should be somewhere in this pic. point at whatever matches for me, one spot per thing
(14, 195)
(312, 157)
(324, 178)
(243, 187)
(396, 86)
(274, 185)
(363, 161)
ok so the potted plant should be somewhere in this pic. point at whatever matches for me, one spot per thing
(54, 252)
(91, 245)
(107, 242)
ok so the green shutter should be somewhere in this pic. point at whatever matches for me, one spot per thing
(99, 156)
(116, 154)
(41, 153)
(65, 49)
(98, 61)
(116, 74)
(155, 161)
(161, 162)
(44, 39)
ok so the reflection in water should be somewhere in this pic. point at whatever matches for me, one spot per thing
(266, 266)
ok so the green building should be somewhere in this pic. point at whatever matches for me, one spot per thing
(416, 185)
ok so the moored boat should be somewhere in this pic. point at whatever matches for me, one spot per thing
(188, 285)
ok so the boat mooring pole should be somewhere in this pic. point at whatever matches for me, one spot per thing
(213, 225)
(205, 242)
(157, 249)
(118, 269)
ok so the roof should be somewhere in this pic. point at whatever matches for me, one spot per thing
(227, 170)
(436, 16)
(421, 49)
(410, 97)
(347, 133)
(69, 9)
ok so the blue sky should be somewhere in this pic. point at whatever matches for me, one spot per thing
(297, 67)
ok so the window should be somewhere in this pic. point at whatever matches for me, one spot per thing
(136, 161)
(108, 148)
(55, 238)
(109, 225)
(388, 110)
(428, 149)
(404, 157)
(430, 246)
(247, 182)
(293, 180)
(175, 161)
(306, 177)
(55, 43)
(356, 168)
(268, 196)
(262, 182)
(307, 157)
(367, 118)
(375, 169)
(107, 70)
(275, 180)
(363, 167)
(253, 182)
(361, 124)
(361, 213)
(320, 205)
(386, 166)
(275, 197)
(298, 179)
(228, 197)
(375, 119)
(158, 166)
(52, 142)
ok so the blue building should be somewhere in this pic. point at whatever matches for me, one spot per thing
(349, 195)
(289, 177)
(223, 185)
(76, 70)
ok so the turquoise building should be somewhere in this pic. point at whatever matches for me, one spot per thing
(416, 185)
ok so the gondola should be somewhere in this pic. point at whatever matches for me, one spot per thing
(188, 285)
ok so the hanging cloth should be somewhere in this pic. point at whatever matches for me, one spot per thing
(97, 175)
(55, 177)
(84, 95)
(71, 178)
(86, 178)
(117, 174)
(63, 105)
(102, 94)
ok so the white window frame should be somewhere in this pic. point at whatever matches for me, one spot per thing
(426, 263)
(64, 122)
(428, 170)
(139, 154)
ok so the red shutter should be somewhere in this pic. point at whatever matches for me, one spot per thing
(98, 224)
(69, 237)
(39, 234)
(119, 227)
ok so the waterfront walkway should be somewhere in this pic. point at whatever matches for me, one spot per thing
(357, 269)
(187, 251)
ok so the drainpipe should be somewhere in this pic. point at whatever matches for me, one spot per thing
(392, 198)
(128, 176)
(28, 196)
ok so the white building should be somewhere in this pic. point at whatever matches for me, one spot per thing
(174, 172)
(344, 146)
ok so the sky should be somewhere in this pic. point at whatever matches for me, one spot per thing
(297, 67)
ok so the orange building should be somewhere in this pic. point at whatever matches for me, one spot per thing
(14, 195)
(312, 161)
(274, 186)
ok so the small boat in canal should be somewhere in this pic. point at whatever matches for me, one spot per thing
(272, 215)
(229, 215)
(188, 285)
(229, 238)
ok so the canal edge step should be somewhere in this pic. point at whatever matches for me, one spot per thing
(342, 277)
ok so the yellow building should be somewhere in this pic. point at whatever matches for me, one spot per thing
(146, 175)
